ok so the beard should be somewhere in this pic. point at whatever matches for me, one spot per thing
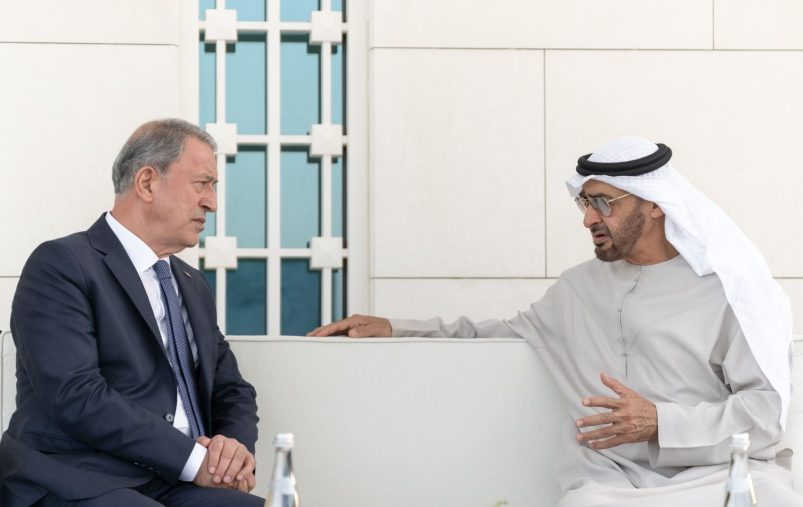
(623, 239)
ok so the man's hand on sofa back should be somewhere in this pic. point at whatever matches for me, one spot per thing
(356, 326)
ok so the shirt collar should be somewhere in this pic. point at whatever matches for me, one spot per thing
(140, 253)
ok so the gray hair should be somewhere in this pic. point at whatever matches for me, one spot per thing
(157, 144)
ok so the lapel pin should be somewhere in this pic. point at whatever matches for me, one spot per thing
(188, 275)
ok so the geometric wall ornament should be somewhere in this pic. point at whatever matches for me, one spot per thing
(326, 26)
(221, 252)
(326, 253)
(326, 140)
(225, 134)
(221, 24)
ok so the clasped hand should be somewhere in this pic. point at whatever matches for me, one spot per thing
(632, 418)
(228, 464)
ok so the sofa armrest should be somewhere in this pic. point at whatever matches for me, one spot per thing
(8, 384)
(793, 437)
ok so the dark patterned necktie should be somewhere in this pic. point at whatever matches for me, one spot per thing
(178, 350)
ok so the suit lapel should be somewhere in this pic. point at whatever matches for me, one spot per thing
(202, 329)
(103, 239)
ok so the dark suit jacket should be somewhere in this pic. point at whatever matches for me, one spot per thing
(94, 387)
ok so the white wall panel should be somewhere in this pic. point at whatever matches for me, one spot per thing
(457, 161)
(731, 119)
(680, 24)
(450, 298)
(7, 287)
(794, 289)
(66, 113)
(758, 24)
(95, 21)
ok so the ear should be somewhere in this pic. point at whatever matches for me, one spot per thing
(145, 181)
(656, 211)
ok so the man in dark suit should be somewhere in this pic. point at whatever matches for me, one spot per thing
(127, 392)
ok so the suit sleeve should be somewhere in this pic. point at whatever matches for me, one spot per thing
(233, 400)
(53, 325)
(234, 409)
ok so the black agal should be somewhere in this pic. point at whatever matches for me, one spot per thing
(628, 168)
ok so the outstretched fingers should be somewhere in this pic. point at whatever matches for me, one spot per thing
(631, 417)
(356, 326)
(335, 328)
(616, 386)
(603, 401)
(607, 443)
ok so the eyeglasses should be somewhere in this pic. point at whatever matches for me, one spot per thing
(600, 204)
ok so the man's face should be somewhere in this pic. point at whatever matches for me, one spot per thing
(616, 235)
(182, 197)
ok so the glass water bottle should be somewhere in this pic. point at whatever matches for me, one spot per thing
(739, 490)
(282, 491)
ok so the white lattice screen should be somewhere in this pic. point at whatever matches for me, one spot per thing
(325, 141)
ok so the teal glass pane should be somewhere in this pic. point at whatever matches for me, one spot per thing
(203, 5)
(338, 295)
(209, 228)
(245, 83)
(338, 88)
(249, 10)
(338, 204)
(301, 297)
(300, 206)
(209, 274)
(246, 197)
(297, 10)
(246, 298)
(206, 83)
(299, 84)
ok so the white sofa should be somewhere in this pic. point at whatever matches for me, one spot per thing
(409, 422)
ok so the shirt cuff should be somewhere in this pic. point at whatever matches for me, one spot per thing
(193, 463)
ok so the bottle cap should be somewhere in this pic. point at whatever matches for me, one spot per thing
(283, 440)
(740, 440)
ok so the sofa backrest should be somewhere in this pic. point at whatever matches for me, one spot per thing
(406, 421)
(400, 422)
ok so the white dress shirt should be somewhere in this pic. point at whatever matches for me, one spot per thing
(143, 259)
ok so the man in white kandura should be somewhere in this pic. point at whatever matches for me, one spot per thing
(673, 339)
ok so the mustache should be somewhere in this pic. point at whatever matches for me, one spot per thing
(601, 229)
